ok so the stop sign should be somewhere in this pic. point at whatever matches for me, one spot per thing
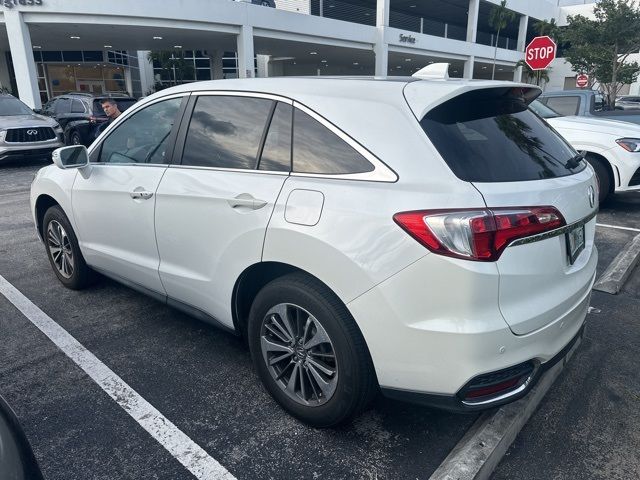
(582, 80)
(540, 53)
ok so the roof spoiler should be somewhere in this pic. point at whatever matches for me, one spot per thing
(433, 71)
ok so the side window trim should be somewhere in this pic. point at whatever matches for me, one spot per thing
(96, 147)
(381, 171)
(265, 132)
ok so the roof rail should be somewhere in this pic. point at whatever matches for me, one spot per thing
(434, 71)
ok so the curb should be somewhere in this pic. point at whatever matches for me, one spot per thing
(478, 453)
(616, 274)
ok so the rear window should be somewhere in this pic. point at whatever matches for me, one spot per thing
(491, 136)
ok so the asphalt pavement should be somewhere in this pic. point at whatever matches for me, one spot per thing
(201, 379)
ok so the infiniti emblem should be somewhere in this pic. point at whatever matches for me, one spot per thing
(592, 196)
(32, 132)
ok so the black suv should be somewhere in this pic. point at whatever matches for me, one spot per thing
(79, 114)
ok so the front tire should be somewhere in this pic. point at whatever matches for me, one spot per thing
(309, 352)
(63, 250)
(75, 138)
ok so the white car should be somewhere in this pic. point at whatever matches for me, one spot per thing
(430, 238)
(610, 146)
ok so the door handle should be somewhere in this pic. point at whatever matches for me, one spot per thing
(141, 195)
(246, 200)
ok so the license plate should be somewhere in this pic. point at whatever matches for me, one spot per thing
(575, 243)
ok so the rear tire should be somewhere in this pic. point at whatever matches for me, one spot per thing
(325, 384)
(63, 250)
(602, 176)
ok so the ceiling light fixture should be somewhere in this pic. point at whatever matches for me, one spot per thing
(157, 38)
(313, 53)
(108, 46)
(37, 47)
(74, 37)
(407, 59)
(323, 61)
(177, 46)
(356, 63)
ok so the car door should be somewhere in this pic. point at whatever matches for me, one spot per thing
(114, 199)
(212, 210)
(62, 111)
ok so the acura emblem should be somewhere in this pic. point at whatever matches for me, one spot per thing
(592, 196)
(32, 132)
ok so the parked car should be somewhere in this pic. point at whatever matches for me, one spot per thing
(611, 147)
(17, 461)
(446, 260)
(628, 102)
(264, 3)
(81, 114)
(23, 133)
(586, 103)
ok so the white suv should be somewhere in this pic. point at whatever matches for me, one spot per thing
(430, 238)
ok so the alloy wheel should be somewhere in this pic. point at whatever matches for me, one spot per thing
(59, 247)
(299, 354)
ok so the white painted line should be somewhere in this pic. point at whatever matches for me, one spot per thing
(617, 228)
(185, 450)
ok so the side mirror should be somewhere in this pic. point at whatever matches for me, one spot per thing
(75, 156)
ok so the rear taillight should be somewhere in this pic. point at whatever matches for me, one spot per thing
(479, 235)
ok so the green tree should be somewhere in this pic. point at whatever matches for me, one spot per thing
(499, 18)
(174, 67)
(601, 47)
(537, 76)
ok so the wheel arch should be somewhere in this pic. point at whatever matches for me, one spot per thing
(43, 203)
(607, 164)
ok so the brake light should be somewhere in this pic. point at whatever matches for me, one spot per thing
(479, 235)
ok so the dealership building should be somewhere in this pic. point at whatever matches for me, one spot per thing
(50, 47)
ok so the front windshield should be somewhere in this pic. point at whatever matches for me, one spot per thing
(542, 110)
(11, 106)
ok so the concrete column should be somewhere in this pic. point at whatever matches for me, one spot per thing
(5, 81)
(381, 48)
(522, 32)
(472, 20)
(517, 74)
(245, 52)
(146, 71)
(468, 67)
(215, 63)
(24, 65)
(263, 65)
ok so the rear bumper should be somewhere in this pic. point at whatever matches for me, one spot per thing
(435, 328)
(456, 403)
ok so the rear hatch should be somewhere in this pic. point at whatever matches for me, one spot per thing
(518, 163)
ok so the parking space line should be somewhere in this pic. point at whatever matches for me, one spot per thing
(617, 227)
(193, 457)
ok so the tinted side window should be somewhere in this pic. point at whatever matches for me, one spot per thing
(63, 105)
(487, 136)
(49, 108)
(226, 132)
(564, 105)
(316, 149)
(143, 137)
(276, 154)
(77, 107)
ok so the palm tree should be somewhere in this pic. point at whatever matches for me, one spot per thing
(499, 18)
(538, 76)
(173, 64)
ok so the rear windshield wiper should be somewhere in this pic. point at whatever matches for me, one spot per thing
(574, 162)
